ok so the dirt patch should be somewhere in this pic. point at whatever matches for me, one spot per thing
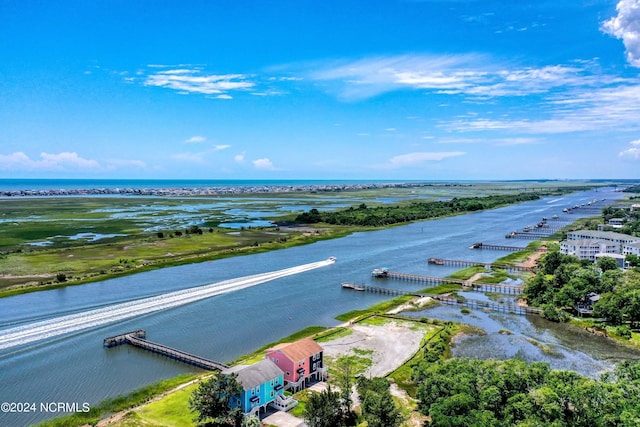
(392, 344)
(531, 260)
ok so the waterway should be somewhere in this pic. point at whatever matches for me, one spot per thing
(76, 368)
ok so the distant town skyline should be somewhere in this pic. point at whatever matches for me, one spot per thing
(384, 89)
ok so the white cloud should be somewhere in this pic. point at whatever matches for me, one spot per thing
(419, 158)
(626, 26)
(221, 147)
(264, 164)
(613, 106)
(194, 81)
(632, 153)
(224, 96)
(239, 158)
(62, 162)
(195, 139)
(474, 76)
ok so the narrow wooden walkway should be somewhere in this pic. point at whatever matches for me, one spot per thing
(481, 245)
(501, 308)
(431, 280)
(385, 274)
(463, 263)
(137, 339)
(526, 235)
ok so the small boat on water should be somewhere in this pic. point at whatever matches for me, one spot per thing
(332, 259)
(353, 286)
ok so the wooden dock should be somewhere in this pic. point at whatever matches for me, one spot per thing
(137, 339)
(434, 281)
(431, 280)
(123, 338)
(463, 263)
(501, 308)
(481, 245)
(526, 235)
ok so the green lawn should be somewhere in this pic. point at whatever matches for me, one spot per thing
(171, 410)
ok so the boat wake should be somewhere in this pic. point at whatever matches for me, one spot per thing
(37, 331)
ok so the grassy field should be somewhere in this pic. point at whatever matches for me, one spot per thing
(48, 242)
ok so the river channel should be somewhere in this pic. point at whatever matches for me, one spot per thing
(76, 367)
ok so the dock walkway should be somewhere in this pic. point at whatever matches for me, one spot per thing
(468, 284)
(481, 245)
(137, 339)
(463, 263)
(501, 308)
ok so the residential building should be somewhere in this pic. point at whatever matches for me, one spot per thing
(301, 360)
(262, 384)
(610, 236)
(588, 248)
(631, 249)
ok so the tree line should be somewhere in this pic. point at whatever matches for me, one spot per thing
(378, 216)
(564, 282)
(472, 392)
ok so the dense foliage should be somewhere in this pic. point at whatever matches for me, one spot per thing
(378, 408)
(471, 392)
(564, 282)
(631, 220)
(211, 401)
(326, 409)
(364, 215)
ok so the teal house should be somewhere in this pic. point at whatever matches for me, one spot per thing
(263, 385)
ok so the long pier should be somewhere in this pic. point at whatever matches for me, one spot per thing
(480, 245)
(431, 280)
(526, 235)
(463, 263)
(137, 339)
(501, 308)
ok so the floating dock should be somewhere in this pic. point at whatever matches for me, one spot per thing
(137, 339)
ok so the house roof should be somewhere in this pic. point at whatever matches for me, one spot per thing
(298, 350)
(608, 235)
(259, 373)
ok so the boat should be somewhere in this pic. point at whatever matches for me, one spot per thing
(332, 259)
(380, 272)
(436, 261)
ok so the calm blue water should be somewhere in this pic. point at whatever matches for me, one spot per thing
(77, 368)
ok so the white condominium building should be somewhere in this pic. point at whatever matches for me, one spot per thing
(586, 244)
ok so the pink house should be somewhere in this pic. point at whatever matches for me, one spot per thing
(300, 361)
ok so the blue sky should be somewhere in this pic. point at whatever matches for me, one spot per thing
(332, 89)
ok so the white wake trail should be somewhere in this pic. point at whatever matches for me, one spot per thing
(37, 331)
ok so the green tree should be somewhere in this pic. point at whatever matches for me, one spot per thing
(324, 409)
(607, 263)
(212, 400)
(633, 260)
(378, 407)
